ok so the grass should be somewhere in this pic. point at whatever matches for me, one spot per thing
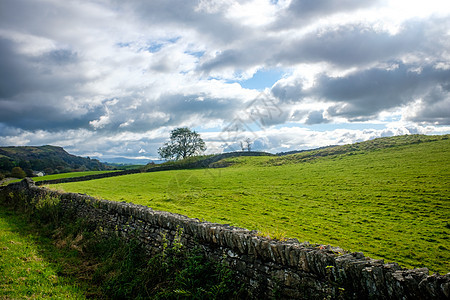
(64, 175)
(176, 273)
(389, 202)
(69, 175)
(88, 264)
(31, 267)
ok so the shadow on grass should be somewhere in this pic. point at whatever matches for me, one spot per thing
(35, 263)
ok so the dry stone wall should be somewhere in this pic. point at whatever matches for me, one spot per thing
(270, 269)
(87, 177)
(210, 161)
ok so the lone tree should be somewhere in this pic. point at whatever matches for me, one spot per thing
(246, 145)
(183, 143)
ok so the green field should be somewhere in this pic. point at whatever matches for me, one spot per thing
(69, 175)
(31, 267)
(64, 175)
(390, 202)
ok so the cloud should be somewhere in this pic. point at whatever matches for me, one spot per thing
(115, 77)
(363, 94)
(342, 46)
(433, 108)
(366, 93)
(316, 117)
(47, 71)
(205, 21)
(301, 12)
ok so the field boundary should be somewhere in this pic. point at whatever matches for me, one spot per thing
(269, 268)
(87, 177)
(203, 163)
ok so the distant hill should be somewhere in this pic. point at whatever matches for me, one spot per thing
(50, 159)
(127, 161)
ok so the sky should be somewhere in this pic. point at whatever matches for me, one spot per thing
(112, 78)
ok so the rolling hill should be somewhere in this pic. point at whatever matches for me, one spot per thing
(50, 159)
(387, 197)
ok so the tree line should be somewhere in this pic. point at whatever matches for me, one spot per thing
(19, 162)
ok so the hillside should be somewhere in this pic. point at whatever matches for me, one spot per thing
(358, 148)
(294, 157)
(387, 197)
(50, 159)
(231, 158)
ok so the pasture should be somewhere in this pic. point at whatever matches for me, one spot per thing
(63, 175)
(69, 175)
(390, 203)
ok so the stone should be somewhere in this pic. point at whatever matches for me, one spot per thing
(296, 270)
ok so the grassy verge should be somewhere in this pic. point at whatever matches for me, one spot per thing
(44, 255)
(32, 267)
(126, 273)
(389, 202)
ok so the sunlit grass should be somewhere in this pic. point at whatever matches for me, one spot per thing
(64, 175)
(69, 175)
(390, 203)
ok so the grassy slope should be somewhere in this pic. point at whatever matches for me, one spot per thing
(31, 267)
(390, 203)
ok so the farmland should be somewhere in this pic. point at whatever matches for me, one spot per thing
(69, 175)
(62, 175)
(388, 202)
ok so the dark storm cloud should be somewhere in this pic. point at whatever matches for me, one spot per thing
(21, 14)
(21, 73)
(14, 75)
(187, 15)
(228, 59)
(435, 106)
(361, 95)
(304, 11)
(343, 46)
(303, 8)
(33, 89)
(349, 45)
(43, 113)
(366, 93)
(358, 44)
(288, 92)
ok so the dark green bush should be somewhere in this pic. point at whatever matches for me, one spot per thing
(126, 273)
(17, 172)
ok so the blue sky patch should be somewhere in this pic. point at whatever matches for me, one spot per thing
(263, 79)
